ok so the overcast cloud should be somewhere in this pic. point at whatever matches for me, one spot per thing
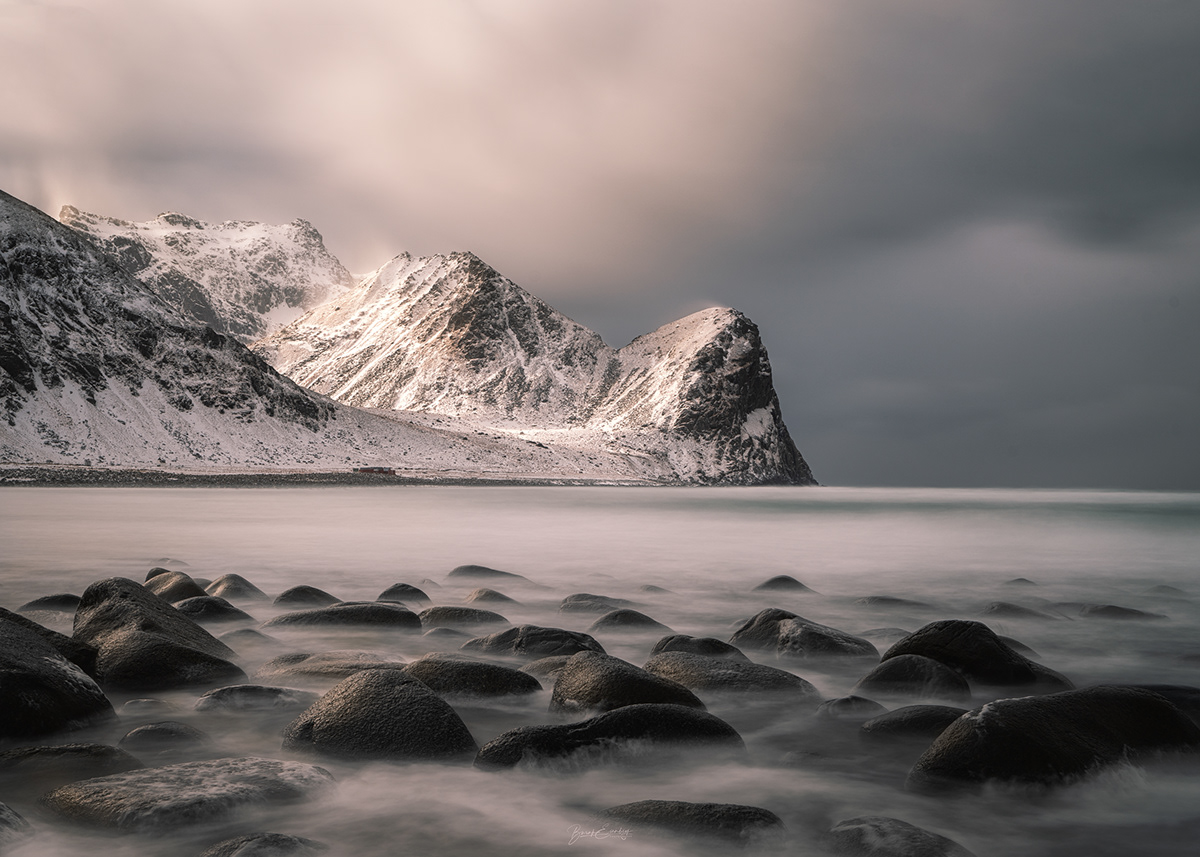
(967, 230)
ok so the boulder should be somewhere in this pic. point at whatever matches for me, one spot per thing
(61, 603)
(879, 836)
(889, 601)
(305, 596)
(256, 698)
(460, 677)
(782, 583)
(339, 664)
(708, 646)
(144, 643)
(482, 572)
(81, 654)
(266, 845)
(174, 586)
(591, 681)
(912, 721)
(460, 618)
(43, 692)
(166, 798)
(627, 620)
(792, 636)
(377, 614)
(534, 641)
(735, 823)
(35, 770)
(654, 590)
(212, 610)
(850, 709)
(724, 675)
(146, 707)
(1112, 611)
(156, 571)
(585, 602)
(165, 738)
(234, 587)
(489, 596)
(1054, 738)
(546, 669)
(1008, 610)
(913, 676)
(381, 714)
(608, 734)
(404, 593)
(973, 650)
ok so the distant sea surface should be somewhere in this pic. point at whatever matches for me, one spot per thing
(952, 552)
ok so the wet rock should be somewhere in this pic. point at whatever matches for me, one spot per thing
(591, 681)
(879, 836)
(914, 676)
(1112, 611)
(973, 650)
(1017, 646)
(450, 636)
(1160, 589)
(546, 669)
(585, 602)
(234, 587)
(43, 692)
(888, 601)
(1020, 581)
(156, 571)
(256, 698)
(792, 636)
(211, 609)
(886, 635)
(170, 797)
(627, 620)
(81, 654)
(489, 596)
(337, 664)
(534, 641)
(381, 714)
(63, 603)
(912, 721)
(146, 644)
(482, 572)
(13, 826)
(707, 646)
(305, 596)
(723, 675)
(735, 823)
(1183, 697)
(459, 677)
(266, 845)
(460, 618)
(1008, 610)
(165, 738)
(849, 709)
(610, 734)
(174, 586)
(654, 590)
(146, 707)
(246, 637)
(782, 583)
(35, 770)
(377, 614)
(404, 593)
(1054, 738)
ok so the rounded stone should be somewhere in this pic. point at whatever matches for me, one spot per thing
(591, 681)
(627, 620)
(211, 609)
(256, 698)
(913, 676)
(234, 587)
(266, 845)
(879, 836)
(404, 593)
(782, 583)
(460, 677)
(850, 709)
(723, 675)
(174, 586)
(304, 596)
(348, 613)
(338, 664)
(925, 722)
(460, 618)
(735, 823)
(708, 646)
(534, 641)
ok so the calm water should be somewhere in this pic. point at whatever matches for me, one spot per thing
(952, 550)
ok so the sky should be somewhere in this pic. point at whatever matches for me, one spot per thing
(968, 230)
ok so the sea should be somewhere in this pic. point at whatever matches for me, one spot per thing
(945, 553)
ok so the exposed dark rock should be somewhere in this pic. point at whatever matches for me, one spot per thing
(724, 675)
(246, 637)
(1054, 738)
(35, 770)
(146, 707)
(738, 824)
(482, 572)
(460, 677)
(974, 650)
(913, 721)
(447, 635)
(381, 714)
(266, 845)
(234, 587)
(1161, 589)
(256, 697)
(591, 681)
(43, 692)
(889, 601)
(782, 583)
(914, 676)
(654, 590)
(156, 571)
(606, 734)
(211, 609)
(167, 798)
(1017, 646)
(489, 596)
(546, 669)
(627, 620)
(1112, 611)
(585, 602)
(1020, 581)
(404, 593)
(707, 646)
(534, 641)
(304, 596)
(371, 613)
(83, 655)
(1183, 697)
(325, 664)
(174, 586)
(1008, 610)
(887, 635)
(165, 738)
(792, 636)
(460, 618)
(62, 603)
(879, 836)
(850, 709)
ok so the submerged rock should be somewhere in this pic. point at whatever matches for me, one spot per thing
(165, 738)
(35, 770)
(782, 583)
(489, 596)
(879, 836)
(585, 602)
(735, 823)
(459, 677)
(325, 664)
(404, 593)
(266, 845)
(211, 609)
(1112, 611)
(460, 618)
(591, 681)
(174, 586)
(627, 620)
(726, 675)
(256, 698)
(1008, 610)
(234, 587)
(60, 603)
(534, 641)
(305, 596)
(912, 721)
(482, 572)
(914, 676)
(378, 614)
(83, 655)
(792, 636)
(850, 709)
(13, 826)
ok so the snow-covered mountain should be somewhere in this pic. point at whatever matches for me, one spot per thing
(449, 335)
(240, 278)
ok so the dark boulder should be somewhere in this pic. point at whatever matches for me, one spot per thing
(546, 669)
(627, 620)
(879, 836)
(734, 823)
(62, 603)
(1054, 738)
(266, 845)
(247, 637)
(256, 698)
(723, 675)
(381, 714)
(489, 596)
(167, 738)
(446, 636)
(404, 593)
(305, 596)
(849, 709)
(83, 655)
(1008, 610)
(338, 664)
(782, 583)
(174, 586)
(973, 649)
(460, 618)
(1182, 696)
(609, 734)
(889, 601)
(1020, 582)
(707, 646)
(146, 708)
(654, 590)
(211, 609)
(156, 571)
(914, 676)
(461, 677)
(166, 798)
(482, 572)
(591, 681)
(924, 722)
(377, 614)
(534, 641)
(1112, 611)
(36, 770)
(234, 587)
(585, 602)
(792, 636)
(43, 692)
